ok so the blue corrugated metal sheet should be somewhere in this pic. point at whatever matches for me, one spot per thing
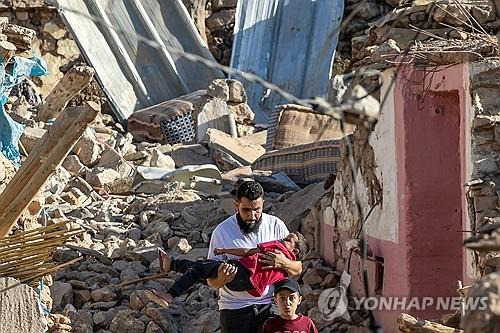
(133, 74)
(288, 42)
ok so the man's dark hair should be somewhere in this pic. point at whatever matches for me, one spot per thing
(250, 189)
(301, 246)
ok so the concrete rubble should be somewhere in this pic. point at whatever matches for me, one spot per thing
(94, 188)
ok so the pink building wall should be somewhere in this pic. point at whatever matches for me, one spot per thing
(431, 127)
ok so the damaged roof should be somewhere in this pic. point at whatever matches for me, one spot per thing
(289, 43)
(133, 74)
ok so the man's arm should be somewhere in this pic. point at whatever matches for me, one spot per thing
(225, 274)
(240, 252)
(276, 259)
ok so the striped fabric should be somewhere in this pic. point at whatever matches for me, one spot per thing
(304, 164)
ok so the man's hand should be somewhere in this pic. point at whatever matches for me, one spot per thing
(225, 274)
(219, 250)
(275, 259)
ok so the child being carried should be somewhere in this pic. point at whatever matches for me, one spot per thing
(251, 276)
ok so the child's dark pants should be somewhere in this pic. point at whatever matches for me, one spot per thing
(199, 271)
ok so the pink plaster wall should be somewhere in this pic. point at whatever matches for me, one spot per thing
(428, 257)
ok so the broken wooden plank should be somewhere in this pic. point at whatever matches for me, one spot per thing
(70, 85)
(42, 162)
(410, 324)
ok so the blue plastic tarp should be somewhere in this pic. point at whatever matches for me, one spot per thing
(11, 131)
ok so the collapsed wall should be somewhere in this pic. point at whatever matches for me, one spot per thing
(483, 190)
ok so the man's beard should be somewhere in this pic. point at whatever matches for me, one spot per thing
(245, 227)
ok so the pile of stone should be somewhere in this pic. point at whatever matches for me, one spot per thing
(429, 32)
(92, 189)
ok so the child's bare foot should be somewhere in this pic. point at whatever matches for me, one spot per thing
(164, 261)
(162, 299)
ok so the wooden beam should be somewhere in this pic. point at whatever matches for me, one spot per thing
(410, 324)
(70, 85)
(43, 160)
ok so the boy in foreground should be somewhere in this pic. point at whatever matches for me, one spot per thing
(287, 296)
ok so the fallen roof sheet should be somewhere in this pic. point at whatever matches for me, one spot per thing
(290, 43)
(135, 75)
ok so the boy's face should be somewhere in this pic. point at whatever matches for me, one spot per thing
(287, 301)
(290, 243)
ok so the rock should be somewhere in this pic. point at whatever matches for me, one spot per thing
(124, 322)
(329, 281)
(180, 245)
(242, 113)
(20, 110)
(136, 302)
(129, 274)
(484, 318)
(368, 10)
(295, 209)
(68, 48)
(62, 294)
(144, 253)
(243, 152)
(485, 203)
(73, 165)
(220, 19)
(75, 197)
(311, 278)
(20, 311)
(135, 234)
(483, 14)
(54, 30)
(100, 177)
(153, 328)
(50, 81)
(80, 297)
(87, 149)
(7, 171)
(219, 4)
(22, 15)
(160, 228)
(57, 181)
(102, 305)
(120, 265)
(316, 314)
(219, 89)
(486, 164)
(163, 319)
(159, 160)
(237, 92)
(30, 137)
(103, 318)
(205, 321)
(105, 294)
(194, 154)
(36, 205)
(81, 320)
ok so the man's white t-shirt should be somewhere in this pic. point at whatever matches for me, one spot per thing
(228, 235)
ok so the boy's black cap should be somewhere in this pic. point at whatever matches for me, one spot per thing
(287, 283)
